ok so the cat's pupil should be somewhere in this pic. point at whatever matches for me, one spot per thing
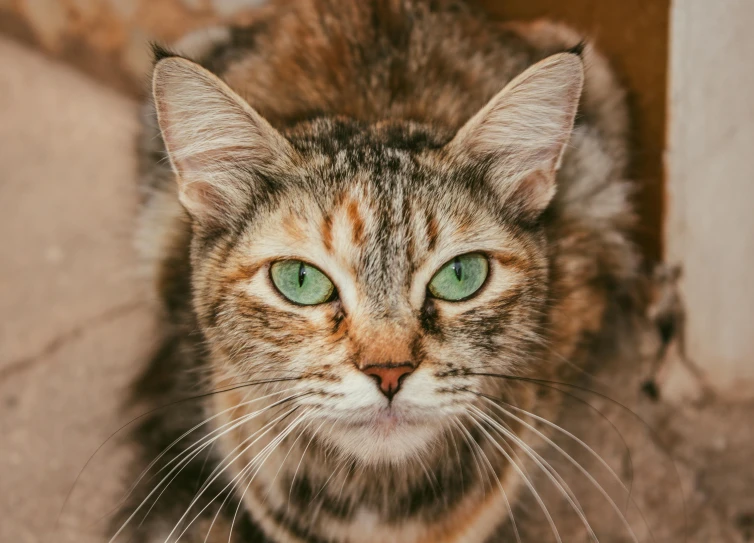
(457, 268)
(301, 274)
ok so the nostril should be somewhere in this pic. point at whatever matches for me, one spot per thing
(389, 377)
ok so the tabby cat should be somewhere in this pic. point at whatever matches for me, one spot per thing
(374, 226)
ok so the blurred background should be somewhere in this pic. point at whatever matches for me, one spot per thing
(76, 322)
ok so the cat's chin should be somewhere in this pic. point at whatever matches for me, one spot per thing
(384, 438)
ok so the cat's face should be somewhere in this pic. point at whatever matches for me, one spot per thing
(382, 269)
(383, 225)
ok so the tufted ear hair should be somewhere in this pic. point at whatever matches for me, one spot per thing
(522, 132)
(219, 147)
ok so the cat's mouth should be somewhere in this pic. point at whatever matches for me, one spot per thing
(386, 421)
(384, 434)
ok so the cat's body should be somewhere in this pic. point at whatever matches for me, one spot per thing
(368, 96)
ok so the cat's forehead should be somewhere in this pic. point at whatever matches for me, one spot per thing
(379, 225)
(348, 145)
(376, 247)
(379, 189)
(387, 167)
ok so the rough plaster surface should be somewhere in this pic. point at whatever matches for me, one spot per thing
(710, 225)
(109, 38)
(75, 326)
(74, 323)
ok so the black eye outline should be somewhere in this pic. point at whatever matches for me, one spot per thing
(473, 294)
(334, 297)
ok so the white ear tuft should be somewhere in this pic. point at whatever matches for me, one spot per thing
(523, 131)
(217, 144)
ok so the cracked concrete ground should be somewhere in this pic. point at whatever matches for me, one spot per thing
(74, 323)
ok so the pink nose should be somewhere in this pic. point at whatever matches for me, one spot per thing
(389, 377)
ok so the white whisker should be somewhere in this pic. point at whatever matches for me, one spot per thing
(526, 480)
(578, 466)
(509, 508)
(430, 477)
(273, 445)
(194, 455)
(546, 468)
(234, 482)
(290, 491)
(285, 458)
(544, 465)
(242, 419)
(269, 426)
(223, 430)
(187, 433)
(458, 459)
(339, 467)
(175, 470)
(466, 437)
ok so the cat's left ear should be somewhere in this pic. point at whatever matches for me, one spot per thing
(521, 134)
(220, 148)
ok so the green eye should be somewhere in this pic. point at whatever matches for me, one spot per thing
(459, 278)
(301, 283)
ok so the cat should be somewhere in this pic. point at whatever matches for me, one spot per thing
(374, 227)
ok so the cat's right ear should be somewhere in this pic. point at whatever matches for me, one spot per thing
(218, 145)
(522, 133)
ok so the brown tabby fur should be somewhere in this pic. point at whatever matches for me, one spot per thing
(368, 93)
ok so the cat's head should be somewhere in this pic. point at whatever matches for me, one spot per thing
(383, 268)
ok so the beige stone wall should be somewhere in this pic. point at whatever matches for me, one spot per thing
(709, 229)
(109, 38)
